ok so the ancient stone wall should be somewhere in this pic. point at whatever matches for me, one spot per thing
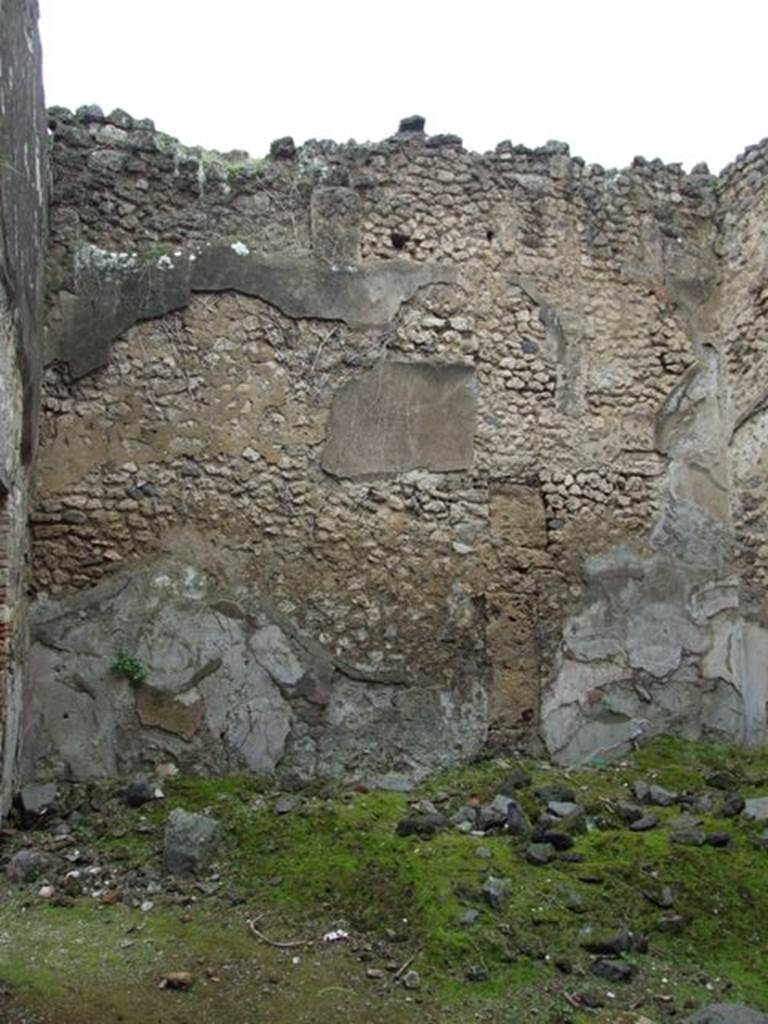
(23, 174)
(743, 214)
(368, 452)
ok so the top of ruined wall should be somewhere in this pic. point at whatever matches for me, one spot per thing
(121, 183)
(122, 186)
(744, 178)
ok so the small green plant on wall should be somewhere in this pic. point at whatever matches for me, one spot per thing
(128, 667)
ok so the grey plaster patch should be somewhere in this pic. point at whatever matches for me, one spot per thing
(608, 721)
(223, 693)
(257, 729)
(657, 634)
(111, 297)
(712, 598)
(690, 533)
(658, 642)
(652, 648)
(116, 290)
(390, 729)
(403, 416)
(271, 648)
(592, 634)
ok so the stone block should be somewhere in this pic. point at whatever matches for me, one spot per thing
(403, 416)
(189, 841)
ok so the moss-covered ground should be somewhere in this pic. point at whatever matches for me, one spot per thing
(335, 860)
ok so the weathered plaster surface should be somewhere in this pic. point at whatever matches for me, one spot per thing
(485, 432)
(230, 686)
(402, 416)
(23, 180)
(115, 290)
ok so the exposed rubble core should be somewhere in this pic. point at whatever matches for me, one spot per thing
(481, 438)
(487, 429)
(341, 493)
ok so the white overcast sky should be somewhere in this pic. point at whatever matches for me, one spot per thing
(681, 80)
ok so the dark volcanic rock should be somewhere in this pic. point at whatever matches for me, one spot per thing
(517, 823)
(720, 778)
(283, 149)
(613, 970)
(26, 866)
(504, 812)
(607, 945)
(464, 815)
(575, 903)
(540, 853)
(560, 840)
(629, 811)
(139, 792)
(644, 824)
(574, 823)
(733, 804)
(663, 897)
(414, 123)
(641, 789)
(495, 891)
(688, 837)
(564, 808)
(421, 825)
(494, 814)
(660, 796)
(591, 999)
(673, 924)
(684, 821)
(555, 791)
(518, 778)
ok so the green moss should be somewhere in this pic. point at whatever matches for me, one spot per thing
(166, 142)
(686, 760)
(336, 856)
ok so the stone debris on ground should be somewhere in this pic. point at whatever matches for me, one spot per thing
(26, 865)
(141, 791)
(65, 867)
(36, 799)
(189, 842)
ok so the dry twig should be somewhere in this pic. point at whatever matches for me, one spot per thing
(404, 967)
(251, 922)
